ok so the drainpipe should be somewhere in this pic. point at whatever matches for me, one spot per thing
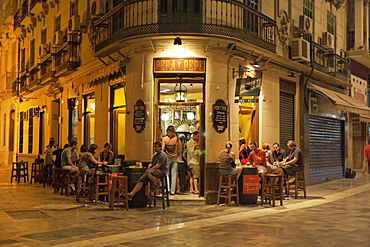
(228, 97)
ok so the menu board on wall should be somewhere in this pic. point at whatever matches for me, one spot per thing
(220, 116)
(139, 116)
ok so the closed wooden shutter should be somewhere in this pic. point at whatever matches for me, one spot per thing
(286, 118)
(326, 148)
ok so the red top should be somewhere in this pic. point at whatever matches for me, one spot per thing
(367, 153)
(261, 154)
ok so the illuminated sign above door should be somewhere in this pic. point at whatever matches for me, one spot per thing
(179, 65)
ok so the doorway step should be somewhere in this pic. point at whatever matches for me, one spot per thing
(187, 200)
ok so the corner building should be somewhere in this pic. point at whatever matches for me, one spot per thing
(122, 71)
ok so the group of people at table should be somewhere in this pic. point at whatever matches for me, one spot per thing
(82, 163)
(277, 161)
(166, 156)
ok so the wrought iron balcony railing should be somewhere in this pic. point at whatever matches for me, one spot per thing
(338, 66)
(200, 17)
(319, 57)
(329, 63)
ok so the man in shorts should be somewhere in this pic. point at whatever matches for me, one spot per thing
(156, 169)
(67, 162)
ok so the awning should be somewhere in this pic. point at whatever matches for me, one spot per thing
(342, 101)
(97, 73)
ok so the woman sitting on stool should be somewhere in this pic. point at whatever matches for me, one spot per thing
(226, 159)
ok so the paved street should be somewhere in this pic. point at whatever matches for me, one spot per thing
(336, 213)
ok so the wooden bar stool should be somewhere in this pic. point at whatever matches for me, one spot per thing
(272, 187)
(19, 170)
(37, 172)
(299, 184)
(119, 191)
(164, 194)
(228, 188)
(47, 175)
(62, 180)
(15, 171)
(83, 187)
(100, 187)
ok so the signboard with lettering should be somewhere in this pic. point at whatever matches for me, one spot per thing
(220, 116)
(359, 89)
(139, 116)
(179, 65)
(247, 87)
(250, 184)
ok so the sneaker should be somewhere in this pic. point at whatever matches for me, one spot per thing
(154, 188)
(72, 187)
(292, 179)
(129, 197)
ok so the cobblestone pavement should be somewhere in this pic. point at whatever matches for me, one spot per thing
(335, 213)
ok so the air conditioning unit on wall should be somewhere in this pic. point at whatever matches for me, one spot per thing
(301, 50)
(44, 49)
(74, 23)
(98, 8)
(327, 40)
(305, 24)
(58, 38)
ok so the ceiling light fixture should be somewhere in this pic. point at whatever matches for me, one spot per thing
(180, 92)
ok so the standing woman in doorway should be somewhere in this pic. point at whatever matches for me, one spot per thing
(171, 145)
(107, 155)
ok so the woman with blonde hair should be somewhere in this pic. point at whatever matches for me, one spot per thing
(226, 159)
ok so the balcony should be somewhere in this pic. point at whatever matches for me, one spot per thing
(338, 67)
(67, 55)
(33, 78)
(227, 18)
(46, 73)
(34, 2)
(319, 57)
(329, 63)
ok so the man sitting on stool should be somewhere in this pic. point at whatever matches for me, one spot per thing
(156, 169)
(294, 161)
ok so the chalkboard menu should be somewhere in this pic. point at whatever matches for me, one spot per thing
(139, 116)
(220, 116)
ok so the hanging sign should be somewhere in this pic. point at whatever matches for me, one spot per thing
(247, 87)
(220, 116)
(139, 116)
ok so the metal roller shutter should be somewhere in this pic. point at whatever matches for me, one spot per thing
(286, 118)
(326, 148)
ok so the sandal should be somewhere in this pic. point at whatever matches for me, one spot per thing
(191, 192)
(196, 192)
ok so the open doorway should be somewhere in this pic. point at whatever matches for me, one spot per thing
(180, 104)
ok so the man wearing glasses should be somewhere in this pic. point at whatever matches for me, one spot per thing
(156, 169)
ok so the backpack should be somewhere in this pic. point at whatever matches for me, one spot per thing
(350, 173)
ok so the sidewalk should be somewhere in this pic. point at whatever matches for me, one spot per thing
(33, 216)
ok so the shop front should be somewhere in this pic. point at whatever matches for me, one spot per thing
(180, 102)
(330, 114)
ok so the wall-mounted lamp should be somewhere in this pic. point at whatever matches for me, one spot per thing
(177, 41)
(255, 64)
(191, 84)
(292, 74)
